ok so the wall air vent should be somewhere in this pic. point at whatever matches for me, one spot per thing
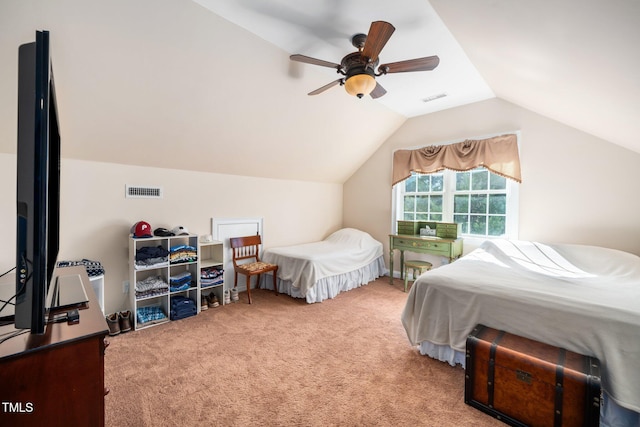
(143, 192)
(434, 97)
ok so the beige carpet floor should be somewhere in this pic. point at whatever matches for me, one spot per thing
(281, 361)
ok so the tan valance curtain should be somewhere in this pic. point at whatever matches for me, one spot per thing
(498, 154)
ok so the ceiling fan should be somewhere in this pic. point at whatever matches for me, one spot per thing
(359, 68)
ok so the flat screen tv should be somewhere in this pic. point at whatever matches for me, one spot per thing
(38, 184)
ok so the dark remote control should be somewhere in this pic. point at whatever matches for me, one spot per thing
(73, 316)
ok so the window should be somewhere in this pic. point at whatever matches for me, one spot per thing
(483, 203)
(423, 197)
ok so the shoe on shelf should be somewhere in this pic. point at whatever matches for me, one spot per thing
(114, 324)
(204, 302)
(234, 295)
(227, 296)
(213, 300)
(125, 321)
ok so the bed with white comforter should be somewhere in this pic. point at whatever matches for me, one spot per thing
(315, 271)
(582, 298)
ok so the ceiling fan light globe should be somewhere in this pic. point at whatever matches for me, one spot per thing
(360, 85)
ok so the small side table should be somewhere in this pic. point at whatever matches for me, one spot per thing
(415, 265)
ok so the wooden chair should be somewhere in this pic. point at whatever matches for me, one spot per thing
(247, 248)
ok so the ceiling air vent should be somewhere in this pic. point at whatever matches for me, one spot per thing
(143, 192)
(434, 97)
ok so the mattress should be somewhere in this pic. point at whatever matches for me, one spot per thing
(582, 298)
(344, 259)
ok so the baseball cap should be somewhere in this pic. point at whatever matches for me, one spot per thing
(162, 232)
(180, 231)
(141, 229)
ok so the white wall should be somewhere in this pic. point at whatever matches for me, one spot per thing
(172, 85)
(96, 216)
(576, 188)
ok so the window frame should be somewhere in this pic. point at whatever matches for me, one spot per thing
(449, 192)
(430, 194)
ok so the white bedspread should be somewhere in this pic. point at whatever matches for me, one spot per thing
(583, 298)
(344, 251)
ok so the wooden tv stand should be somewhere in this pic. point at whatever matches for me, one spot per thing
(56, 378)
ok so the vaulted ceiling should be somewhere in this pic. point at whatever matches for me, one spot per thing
(207, 85)
(571, 60)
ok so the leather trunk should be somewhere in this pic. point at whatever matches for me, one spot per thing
(527, 383)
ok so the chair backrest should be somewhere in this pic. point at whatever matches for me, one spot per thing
(245, 248)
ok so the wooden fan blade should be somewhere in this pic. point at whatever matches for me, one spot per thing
(314, 61)
(325, 87)
(378, 91)
(379, 34)
(419, 64)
